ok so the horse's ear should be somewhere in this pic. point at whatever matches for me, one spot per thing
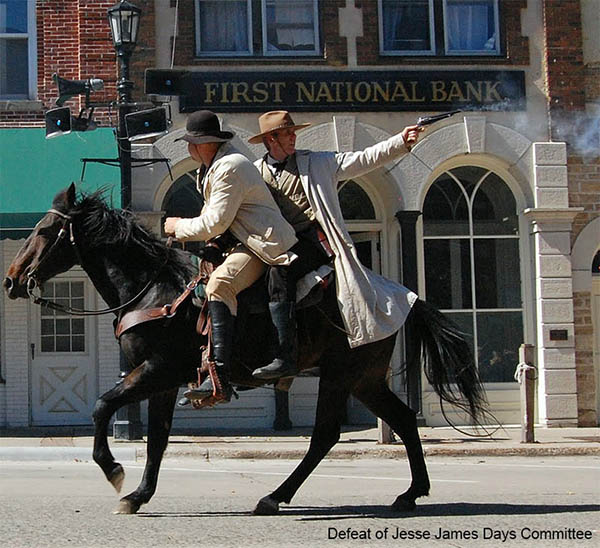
(71, 195)
(65, 199)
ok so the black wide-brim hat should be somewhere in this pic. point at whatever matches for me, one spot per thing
(203, 127)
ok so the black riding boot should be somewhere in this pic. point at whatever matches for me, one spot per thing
(283, 315)
(222, 339)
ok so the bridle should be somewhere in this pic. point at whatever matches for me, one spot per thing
(32, 283)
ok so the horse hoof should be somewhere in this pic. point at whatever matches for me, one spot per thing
(404, 505)
(267, 506)
(127, 507)
(117, 477)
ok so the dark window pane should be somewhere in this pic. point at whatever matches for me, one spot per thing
(47, 327)
(62, 289)
(78, 344)
(13, 16)
(471, 26)
(363, 250)
(448, 273)
(499, 336)
(77, 304)
(183, 199)
(63, 327)
(445, 211)
(355, 202)
(14, 68)
(406, 25)
(77, 289)
(290, 25)
(223, 26)
(63, 344)
(494, 208)
(497, 273)
(469, 176)
(77, 327)
(47, 344)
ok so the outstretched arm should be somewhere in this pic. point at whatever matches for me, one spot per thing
(355, 164)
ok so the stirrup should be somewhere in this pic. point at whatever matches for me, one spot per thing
(275, 370)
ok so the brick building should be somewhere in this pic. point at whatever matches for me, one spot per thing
(493, 217)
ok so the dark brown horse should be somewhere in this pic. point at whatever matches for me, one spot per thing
(126, 263)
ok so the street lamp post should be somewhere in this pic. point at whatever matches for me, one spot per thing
(124, 19)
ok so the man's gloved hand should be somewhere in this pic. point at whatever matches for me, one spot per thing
(212, 254)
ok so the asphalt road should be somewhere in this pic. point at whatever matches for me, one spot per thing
(552, 502)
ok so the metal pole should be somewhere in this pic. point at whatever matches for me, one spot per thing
(128, 425)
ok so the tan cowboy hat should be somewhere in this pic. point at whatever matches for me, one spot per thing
(272, 121)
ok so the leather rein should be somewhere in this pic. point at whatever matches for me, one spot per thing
(32, 283)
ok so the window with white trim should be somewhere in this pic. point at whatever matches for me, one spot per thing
(278, 28)
(472, 264)
(17, 49)
(439, 27)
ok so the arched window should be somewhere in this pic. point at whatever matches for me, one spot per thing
(472, 266)
(184, 200)
(361, 219)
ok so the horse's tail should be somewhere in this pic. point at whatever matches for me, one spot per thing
(447, 359)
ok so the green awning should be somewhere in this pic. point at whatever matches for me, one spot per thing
(33, 169)
(15, 226)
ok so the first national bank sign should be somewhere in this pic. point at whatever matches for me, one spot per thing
(351, 91)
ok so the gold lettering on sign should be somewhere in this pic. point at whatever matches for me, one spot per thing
(277, 87)
(303, 91)
(324, 93)
(210, 90)
(491, 93)
(362, 92)
(240, 89)
(260, 92)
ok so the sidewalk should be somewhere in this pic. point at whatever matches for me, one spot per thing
(356, 442)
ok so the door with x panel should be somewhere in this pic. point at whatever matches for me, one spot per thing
(63, 352)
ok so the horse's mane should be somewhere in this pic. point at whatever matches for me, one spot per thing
(116, 229)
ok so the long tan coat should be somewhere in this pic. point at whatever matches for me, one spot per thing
(372, 306)
(236, 198)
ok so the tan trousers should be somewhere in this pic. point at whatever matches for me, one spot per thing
(239, 271)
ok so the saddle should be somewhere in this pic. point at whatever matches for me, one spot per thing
(253, 300)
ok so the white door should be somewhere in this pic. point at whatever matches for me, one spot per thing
(63, 352)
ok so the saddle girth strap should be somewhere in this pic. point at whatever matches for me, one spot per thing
(135, 317)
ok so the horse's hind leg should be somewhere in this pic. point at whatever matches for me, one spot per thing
(326, 433)
(402, 419)
(160, 417)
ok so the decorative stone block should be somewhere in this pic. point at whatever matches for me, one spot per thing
(475, 131)
(554, 243)
(344, 132)
(557, 310)
(557, 358)
(554, 266)
(550, 154)
(561, 407)
(559, 288)
(551, 176)
(557, 335)
(552, 197)
(558, 381)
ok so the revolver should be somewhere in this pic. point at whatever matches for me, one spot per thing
(426, 120)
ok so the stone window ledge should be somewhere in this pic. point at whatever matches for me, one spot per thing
(15, 105)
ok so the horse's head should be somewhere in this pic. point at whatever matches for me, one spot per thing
(48, 250)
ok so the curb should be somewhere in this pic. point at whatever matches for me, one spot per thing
(83, 454)
(376, 453)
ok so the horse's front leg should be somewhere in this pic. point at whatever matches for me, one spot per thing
(331, 404)
(145, 380)
(160, 417)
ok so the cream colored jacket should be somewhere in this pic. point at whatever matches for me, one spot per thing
(237, 198)
(373, 307)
